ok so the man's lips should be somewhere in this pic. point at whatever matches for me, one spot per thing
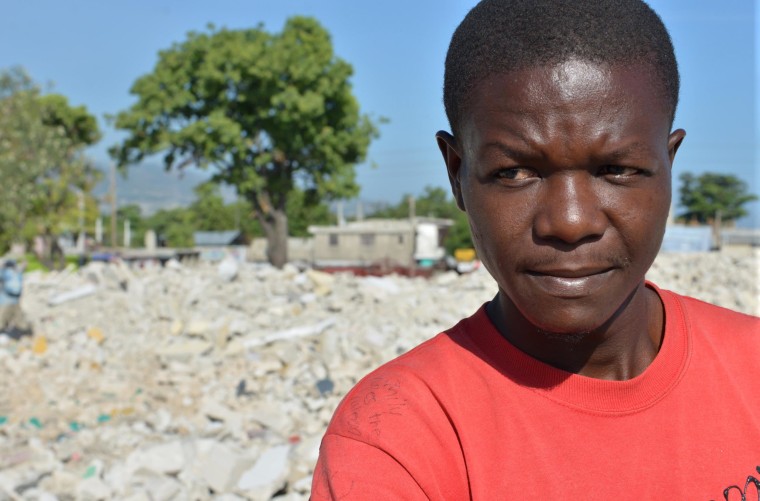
(569, 283)
(575, 272)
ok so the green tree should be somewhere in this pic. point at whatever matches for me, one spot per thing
(706, 195)
(173, 227)
(209, 211)
(43, 168)
(56, 204)
(302, 213)
(75, 122)
(268, 112)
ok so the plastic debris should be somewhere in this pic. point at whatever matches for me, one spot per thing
(39, 345)
(95, 334)
(325, 386)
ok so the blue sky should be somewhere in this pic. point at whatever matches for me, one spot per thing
(92, 51)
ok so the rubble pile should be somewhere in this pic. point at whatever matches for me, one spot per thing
(730, 278)
(217, 381)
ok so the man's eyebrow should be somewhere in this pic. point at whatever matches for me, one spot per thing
(628, 150)
(508, 151)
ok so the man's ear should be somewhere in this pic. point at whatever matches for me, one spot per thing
(674, 142)
(449, 149)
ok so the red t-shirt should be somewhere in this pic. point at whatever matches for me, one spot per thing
(466, 415)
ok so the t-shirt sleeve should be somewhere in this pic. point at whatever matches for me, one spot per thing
(350, 469)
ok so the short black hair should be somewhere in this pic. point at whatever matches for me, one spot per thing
(499, 36)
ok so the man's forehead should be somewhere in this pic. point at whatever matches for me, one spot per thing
(575, 100)
(559, 84)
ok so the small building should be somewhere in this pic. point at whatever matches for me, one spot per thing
(215, 245)
(402, 243)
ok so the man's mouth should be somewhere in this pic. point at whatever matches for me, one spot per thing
(571, 283)
(575, 272)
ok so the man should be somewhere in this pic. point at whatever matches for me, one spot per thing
(12, 320)
(578, 380)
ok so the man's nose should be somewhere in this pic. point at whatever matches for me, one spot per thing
(570, 210)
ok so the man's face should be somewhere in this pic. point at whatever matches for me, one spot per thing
(564, 172)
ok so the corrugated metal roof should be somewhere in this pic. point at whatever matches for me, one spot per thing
(203, 238)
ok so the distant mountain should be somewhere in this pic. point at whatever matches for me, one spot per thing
(151, 187)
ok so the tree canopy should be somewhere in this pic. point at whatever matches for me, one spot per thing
(41, 163)
(270, 113)
(703, 197)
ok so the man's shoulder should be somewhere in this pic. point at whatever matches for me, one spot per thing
(402, 389)
(421, 363)
(700, 313)
(714, 331)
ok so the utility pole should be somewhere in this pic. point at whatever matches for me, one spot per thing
(359, 211)
(81, 247)
(112, 196)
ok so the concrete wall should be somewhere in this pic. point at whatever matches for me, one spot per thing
(365, 248)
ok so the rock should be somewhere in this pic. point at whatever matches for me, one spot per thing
(173, 264)
(268, 475)
(61, 483)
(93, 489)
(221, 467)
(233, 420)
(168, 458)
(323, 282)
(269, 415)
(185, 349)
(25, 467)
(39, 495)
(228, 497)
(293, 333)
(228, 269)
(160, 488)
(79, 292)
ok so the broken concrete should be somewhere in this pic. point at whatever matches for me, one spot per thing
(218, 382)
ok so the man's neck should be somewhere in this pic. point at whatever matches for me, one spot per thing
(620, 349)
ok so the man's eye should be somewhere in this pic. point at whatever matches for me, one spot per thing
(618, 171)
(515, 174)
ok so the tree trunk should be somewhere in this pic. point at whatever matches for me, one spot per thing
(49, 253)
(275, 225)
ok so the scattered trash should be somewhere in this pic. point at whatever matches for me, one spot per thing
(325, 386)
(39, 345)
(91, 471)
(241, 390)
(95, 334)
